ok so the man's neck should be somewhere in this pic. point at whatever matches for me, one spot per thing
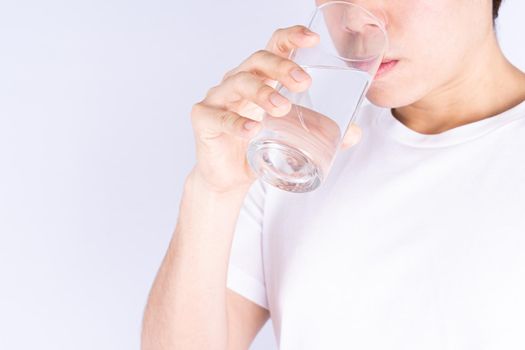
(487, 87)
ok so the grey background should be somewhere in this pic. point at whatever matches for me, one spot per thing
(95, 143)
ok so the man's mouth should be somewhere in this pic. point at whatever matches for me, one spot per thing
(386, 66)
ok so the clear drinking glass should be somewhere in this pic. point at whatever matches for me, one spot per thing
(295, 152)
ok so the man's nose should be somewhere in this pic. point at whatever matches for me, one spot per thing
(362, 32)
(375, 7)
(357, 17)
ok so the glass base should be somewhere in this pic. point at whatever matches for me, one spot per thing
(284, 166)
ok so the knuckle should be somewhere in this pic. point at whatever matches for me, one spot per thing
(259, 54)
(211, 90)
(243, 76)
(241, 79)
(281, 46)
(196, 109)
(227, 74)
(278, 31)
(298, 28)
(198, 112)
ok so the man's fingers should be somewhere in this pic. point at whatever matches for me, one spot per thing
(352, 136)
(212, 122)
(284, 40)
(281, 44)
(243, 87)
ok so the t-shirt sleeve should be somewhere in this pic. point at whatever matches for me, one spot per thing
(245, 268)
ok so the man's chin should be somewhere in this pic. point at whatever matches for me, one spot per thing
(380, 96)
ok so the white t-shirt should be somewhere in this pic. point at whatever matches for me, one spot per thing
(413, 242)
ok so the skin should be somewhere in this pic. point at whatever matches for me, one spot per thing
(451, 70)
(430, 90)
(189, 306)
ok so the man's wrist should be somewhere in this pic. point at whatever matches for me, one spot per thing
(194, 183)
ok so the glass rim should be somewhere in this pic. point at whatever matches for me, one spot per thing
(379, 23)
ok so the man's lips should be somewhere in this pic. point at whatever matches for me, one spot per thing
(386, 66)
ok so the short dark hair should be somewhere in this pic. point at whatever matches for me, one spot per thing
(495, 8)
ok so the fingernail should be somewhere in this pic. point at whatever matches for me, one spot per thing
(307, 31)
(250, 125)
(277, 100)
(299, 75)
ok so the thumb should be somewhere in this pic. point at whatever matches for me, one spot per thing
(352, 136)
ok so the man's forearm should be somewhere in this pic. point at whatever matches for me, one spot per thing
(187, 304)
